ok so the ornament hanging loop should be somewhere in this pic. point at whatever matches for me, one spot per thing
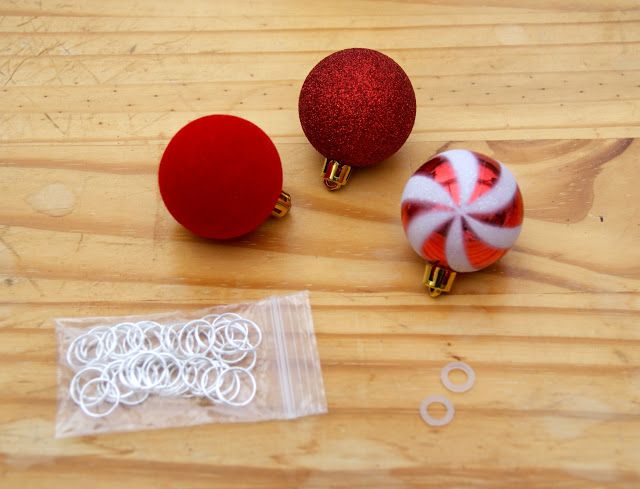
(438, 279)
(282, 206)
(335, 174)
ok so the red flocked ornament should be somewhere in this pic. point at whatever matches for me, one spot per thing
(357, 108)
(461, 212)
(221, 177)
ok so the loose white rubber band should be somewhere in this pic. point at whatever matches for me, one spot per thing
(446, 381)
(436, 399)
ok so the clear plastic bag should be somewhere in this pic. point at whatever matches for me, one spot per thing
(120, 353)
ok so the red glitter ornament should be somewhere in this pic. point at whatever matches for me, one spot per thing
(461, 211)
(221, 177)
(357, 107)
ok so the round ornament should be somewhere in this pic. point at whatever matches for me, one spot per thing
(221, 177)
(357, 108)
(461, 212)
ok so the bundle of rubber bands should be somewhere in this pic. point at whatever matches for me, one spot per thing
(211, 357)
(244, 362)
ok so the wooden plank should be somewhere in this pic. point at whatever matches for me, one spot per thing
(64, 24)
(301, 40)
(518, 90)
(90, 93)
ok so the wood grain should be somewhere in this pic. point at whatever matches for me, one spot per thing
(91, 91)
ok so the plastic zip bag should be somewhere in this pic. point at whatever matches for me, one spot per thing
(185, 368)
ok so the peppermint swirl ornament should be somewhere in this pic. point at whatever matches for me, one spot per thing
(461, 212)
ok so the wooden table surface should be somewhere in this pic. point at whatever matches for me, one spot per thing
(90, 93)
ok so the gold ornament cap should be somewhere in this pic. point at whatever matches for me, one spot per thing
(335, 174)
(438, 279)
(283, 204)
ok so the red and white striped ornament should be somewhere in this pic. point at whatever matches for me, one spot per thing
(461, 211)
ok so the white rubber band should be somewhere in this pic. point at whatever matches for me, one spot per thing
(430, 420)
(75, 386)
(446, 381)
(114, 401)
(231, 401)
